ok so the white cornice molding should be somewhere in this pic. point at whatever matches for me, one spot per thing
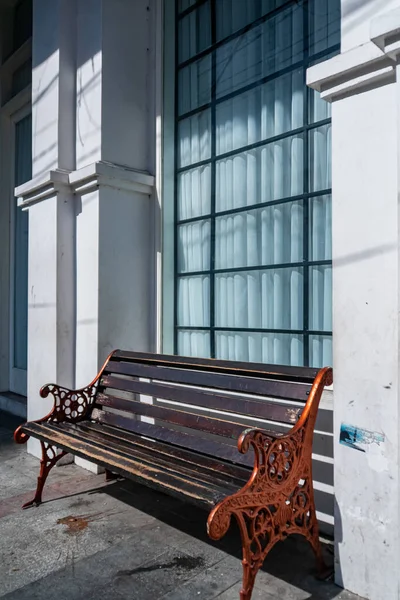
(110, 175)
(42, 187)
(85, 180)
(365, 67)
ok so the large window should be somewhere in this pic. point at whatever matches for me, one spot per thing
(253, 274)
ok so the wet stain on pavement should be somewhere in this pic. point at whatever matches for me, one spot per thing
(74, 524)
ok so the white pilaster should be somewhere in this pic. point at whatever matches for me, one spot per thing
(51, 326)
(115, 272)
(362, 84)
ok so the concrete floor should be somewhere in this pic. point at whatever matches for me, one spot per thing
(121, 541)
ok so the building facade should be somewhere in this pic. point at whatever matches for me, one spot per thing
(213, 178)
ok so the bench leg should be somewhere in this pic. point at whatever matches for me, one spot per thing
(323, 570)
(49, 459)
(249, 576)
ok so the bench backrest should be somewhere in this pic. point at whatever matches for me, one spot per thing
(200, 404)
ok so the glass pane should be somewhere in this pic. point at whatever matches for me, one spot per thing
(266, 236)
(271, 348)
(321, 351)
(232, 15)
(194, 192)
(283, 40)
(268, 173)
(319, 109)
(320, 158)
(23, 173)
(195, 85)
(194, 246)
(194, 32)
(194, 301)
(320, 299)
(194, 139)
(324, 24)
(239, 62)
(266, 111)
(269, 299)
(194, 343)
(184, 4)
(320, 231)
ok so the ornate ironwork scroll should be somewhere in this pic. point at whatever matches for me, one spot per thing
(69, 406)
(278, 499)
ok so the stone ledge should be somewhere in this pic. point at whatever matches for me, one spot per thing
(83, 181)
(108, 174)
(362, 68)
(41, 188)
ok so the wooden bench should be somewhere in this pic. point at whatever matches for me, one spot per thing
(171, 423)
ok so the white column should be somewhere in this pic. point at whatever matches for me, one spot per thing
(115, 273)
(361, 83)
(51, 314)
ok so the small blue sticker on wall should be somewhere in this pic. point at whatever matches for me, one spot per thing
(356, 437)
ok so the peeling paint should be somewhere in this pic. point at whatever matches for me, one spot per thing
(356, 437)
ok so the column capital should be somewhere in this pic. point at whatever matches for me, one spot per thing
(364, 67)
(42, 187)
(96, 175)
(102, 173)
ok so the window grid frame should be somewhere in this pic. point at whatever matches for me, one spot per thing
(308, 98)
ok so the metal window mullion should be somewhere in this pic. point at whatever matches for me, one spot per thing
(292, 265)
(260, 144)
(176, 130)
(306, 189)
(213, 13)
(258, 206)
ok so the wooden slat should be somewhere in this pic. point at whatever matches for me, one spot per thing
(186, 440)
(197, 492)
(304, 374)
(183, 463)
(212, 462)
(205, 399)
(178, 438)
(246, 385)
(212, 425)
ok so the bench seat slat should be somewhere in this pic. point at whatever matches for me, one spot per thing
(181, 439)
(216, 465)
(244, 369)
(247, 385)
(216, 426)
(205, 399)
(185, 464)
(196, 491)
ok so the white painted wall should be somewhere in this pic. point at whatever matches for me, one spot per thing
(364, 89)
(366, 334)
(51, 280)
(356, 19)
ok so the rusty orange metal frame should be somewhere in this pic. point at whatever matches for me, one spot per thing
(278, 499)
(69, 405)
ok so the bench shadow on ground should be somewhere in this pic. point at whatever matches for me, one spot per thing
(291, 561)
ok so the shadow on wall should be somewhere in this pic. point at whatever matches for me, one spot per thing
(354, 11)
(77, 91)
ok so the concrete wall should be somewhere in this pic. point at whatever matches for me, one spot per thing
(91, 272)
(363, 85)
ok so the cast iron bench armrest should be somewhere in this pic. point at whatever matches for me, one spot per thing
(68, 405)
